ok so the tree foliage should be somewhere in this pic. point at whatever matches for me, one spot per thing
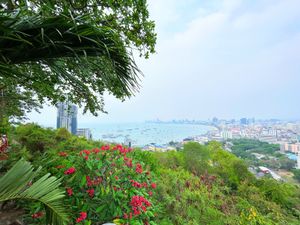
(296, 173)
(75, 50)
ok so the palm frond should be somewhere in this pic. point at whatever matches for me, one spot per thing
(14, 185)
(74, 59)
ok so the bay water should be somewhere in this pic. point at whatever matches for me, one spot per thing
(140, 134)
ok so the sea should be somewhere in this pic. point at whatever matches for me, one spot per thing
(143, 133)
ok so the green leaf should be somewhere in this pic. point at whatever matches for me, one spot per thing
(14, 185)
(83, 181)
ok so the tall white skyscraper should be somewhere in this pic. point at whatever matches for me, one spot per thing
(67, 117)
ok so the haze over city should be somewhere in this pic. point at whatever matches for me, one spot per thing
(223, 58)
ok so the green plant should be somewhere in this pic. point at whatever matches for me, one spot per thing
(19, 184)
(106, 185)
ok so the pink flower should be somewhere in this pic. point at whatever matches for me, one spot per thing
(71, 170)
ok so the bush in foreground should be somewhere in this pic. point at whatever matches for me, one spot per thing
(106, 185)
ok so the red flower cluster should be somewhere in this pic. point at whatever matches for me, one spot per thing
(136, 184)
(126, 216)
(70, 171)
(70, 191)
(37, 215)
(105, 147)
(114, 166)
(153, 185)
(122, 149)
(138, 168)
(139, 203)
(90, 182)
(83, 216)
(96, 150)
(85, 154)
(64, 154)
(128, 162)
(91, 192)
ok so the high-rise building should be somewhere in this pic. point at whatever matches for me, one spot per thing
(84, 132)
(67, 117)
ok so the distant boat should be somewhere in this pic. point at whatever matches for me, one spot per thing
(112, 136)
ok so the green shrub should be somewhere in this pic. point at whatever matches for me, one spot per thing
(106, 185)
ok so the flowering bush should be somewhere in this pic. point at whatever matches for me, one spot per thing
(107, 185)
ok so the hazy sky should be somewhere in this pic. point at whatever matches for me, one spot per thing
(224, 58)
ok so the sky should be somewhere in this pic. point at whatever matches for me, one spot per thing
(223, 58)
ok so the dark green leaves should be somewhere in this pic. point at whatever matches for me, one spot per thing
(77, 50)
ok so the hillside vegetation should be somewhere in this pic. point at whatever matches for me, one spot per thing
(199, 184)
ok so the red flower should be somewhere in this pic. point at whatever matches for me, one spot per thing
(139, 202)
(83, 216)
(37, 215)
(70, 191)
(71, 170)
(153, 185)
(128, 162)
(64, 154)
(105, 147)
(91, 192)
(144, 208)
(87, 152)
(96, 150)
(138, 168)
(150, 193)
(88, 180)
(136, 212)
(136, 184)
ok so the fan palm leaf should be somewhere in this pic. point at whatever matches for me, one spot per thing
(14, 185)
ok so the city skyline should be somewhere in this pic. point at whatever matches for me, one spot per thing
(223, 58)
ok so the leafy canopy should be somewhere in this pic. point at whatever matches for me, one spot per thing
(73, 50)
